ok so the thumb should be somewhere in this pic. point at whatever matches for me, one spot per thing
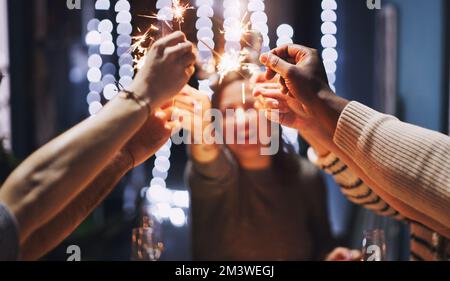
(275, 65)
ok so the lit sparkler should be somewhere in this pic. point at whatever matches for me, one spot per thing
(178, 11)
(140, 42)
(140, 45)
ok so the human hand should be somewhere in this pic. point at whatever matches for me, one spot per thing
(344, 254)
(151, 136)
(303, 77)
(289, 112)
(191, 107)
(168, 66)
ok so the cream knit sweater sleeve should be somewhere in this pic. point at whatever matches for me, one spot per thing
(409, 162)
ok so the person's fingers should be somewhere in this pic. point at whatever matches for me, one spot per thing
(275, 64)
(173, 126)
(258, 104)
(343, 254)
(191, 101)
(187, 59)
(181, 115)
(187, 107)
(274, 94)
(274, 104)
(263, 86)
(170, 40)
(284, 88)
(164, 115)
(260, 90)
(187, 91)
(182, 52)
(167, 104)
(356, 255)
(191, 91)
(285, 119)
(187, 100)
(190, 70)
(292, 53)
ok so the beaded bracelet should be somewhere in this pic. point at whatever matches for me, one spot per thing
(129, 95)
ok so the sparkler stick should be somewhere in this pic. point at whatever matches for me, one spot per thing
(243, 93)
(210, 48)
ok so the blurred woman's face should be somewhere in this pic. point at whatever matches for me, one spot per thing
(241, 119)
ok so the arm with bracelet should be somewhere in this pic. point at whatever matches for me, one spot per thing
(51, 178)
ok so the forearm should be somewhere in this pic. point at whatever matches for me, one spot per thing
(52, 176)
(403, 208)
(48, 236)
(408, 162)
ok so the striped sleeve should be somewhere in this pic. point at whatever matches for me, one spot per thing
(427, 245)
(352, 186)
(410, 163)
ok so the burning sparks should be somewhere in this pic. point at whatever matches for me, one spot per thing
(178, 11)
(140, 45)
(229, 62)
(142, 42)
(234, 61)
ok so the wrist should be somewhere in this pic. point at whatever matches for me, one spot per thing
(124, 160)
(141, 89)
(328, 109)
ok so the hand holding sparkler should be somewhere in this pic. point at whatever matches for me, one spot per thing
(303, 77)
(167, 67)
(191, 108)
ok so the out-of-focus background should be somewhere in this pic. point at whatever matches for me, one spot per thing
(58, 63)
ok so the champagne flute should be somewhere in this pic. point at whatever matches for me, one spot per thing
(146, 244)
(374, 245)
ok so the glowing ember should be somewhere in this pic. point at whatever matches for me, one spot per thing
(142, 42)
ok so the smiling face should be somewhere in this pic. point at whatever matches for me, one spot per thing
(244, 121)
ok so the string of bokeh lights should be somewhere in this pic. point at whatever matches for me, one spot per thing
(166, 204)
(258, 20)
(204, 26)
(329, 41)
(285, 34)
